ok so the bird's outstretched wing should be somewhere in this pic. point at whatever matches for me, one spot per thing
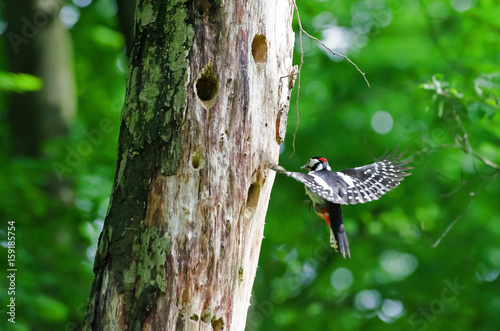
(356, 185)
(370, 182)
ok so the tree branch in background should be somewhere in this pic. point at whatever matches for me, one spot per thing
(451, 100)
(461, 215)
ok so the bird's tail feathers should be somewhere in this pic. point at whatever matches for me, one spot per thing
(338, 237)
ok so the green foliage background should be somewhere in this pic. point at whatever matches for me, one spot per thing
(433, 69)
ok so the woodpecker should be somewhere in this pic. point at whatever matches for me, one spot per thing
(328, 190)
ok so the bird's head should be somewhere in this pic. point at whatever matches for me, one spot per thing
(316, 163)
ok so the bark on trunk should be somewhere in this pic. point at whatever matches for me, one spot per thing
(181, 241)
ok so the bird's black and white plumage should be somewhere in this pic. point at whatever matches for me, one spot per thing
(328, 190)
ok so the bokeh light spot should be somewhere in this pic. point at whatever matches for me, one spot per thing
(82, 3)
(382, 122)
(461, 5)
(367, 300)
(69, 15)
(341, 279)
(392, 308)
(398, 265)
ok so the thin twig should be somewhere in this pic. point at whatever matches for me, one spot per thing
(462, 142)
(471, 152)
(301, 30)
(452, 224)
(454, 191)
(462, 214)
(328, 48)
(339, 55)
(298, 78)
(467, 147)
(485, 160)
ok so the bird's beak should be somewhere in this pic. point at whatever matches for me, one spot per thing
(304, 166)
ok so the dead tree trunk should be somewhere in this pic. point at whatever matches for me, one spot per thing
(205, 98)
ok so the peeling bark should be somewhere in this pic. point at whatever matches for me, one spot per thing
(180, 244)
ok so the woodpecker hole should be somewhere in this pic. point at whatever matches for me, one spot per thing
(217, 324)
(253, 196)
(259, 48)
(207, 86)
(198, 161)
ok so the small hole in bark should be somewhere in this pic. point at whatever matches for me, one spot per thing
(259, 48)
(253, 196)
(207, 86)
(217, 324)
(198, 161)
(195, 163)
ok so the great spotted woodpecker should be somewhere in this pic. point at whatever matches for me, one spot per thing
(328, 189)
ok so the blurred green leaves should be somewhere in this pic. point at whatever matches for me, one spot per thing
(433, 69)
(50, 309)
(19, 83)
(108, 37)
(57, 235)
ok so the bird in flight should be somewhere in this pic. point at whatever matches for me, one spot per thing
(328, 190)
